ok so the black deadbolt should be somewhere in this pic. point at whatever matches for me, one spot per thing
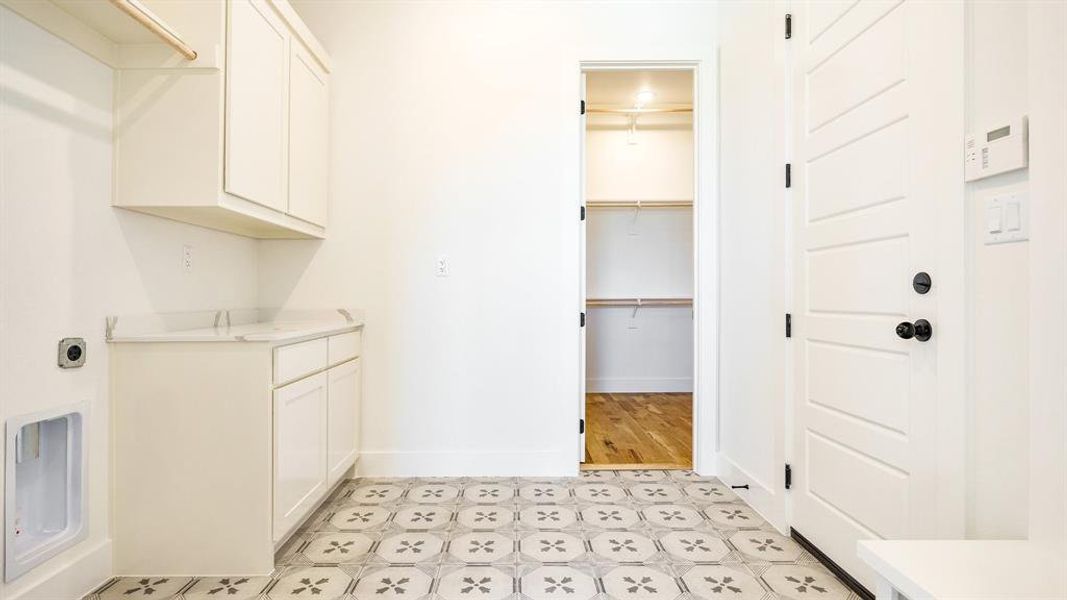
(921, 282)
(920, 330)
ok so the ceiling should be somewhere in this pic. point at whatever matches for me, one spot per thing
(618, 88)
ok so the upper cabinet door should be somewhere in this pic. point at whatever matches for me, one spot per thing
(308, 137)
(256, 112)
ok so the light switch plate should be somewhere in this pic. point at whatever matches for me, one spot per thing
(1007, 218)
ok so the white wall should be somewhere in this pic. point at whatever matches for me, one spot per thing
(1048, 273)
(755, 211)
(455, 132)
(67, 259)
(998, 288)
(639, 254)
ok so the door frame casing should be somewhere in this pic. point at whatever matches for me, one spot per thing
(705, 257)
(766, 493)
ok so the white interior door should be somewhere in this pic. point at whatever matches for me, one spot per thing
(581, 280)
(879, 103)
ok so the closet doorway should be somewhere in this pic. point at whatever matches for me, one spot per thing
(638, 268)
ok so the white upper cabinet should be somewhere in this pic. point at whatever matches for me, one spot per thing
(256, 58)
(308, 136)
(236, 139)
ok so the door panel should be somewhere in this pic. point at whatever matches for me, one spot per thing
(875, 164)
(860, 383)
(308, 137)
(343, 418)
(841, 279)
(877, 145)
(845, 73)
(874, 495)
(257, 58)
(299, 450)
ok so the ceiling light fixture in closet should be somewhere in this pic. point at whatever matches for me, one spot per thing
(644, 97)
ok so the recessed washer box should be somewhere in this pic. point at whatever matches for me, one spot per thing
(44, 487)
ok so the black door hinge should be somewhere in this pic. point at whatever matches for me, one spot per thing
(582, 217)
(581, 108)
(788, 325)
(788, 477)
(581, 319)
(788, 175)
(788, 26)
(581, 425)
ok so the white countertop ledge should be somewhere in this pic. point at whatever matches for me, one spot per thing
(252, 332)
(968, 569)
(250, 325)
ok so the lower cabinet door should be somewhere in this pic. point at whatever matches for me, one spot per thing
(299, 450)
(346, 382)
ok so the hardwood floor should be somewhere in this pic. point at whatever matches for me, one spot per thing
(638, 430)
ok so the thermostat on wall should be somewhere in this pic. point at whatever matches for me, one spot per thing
(998, 150)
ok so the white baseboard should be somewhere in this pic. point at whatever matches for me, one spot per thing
(77, 574)
(469, 464)
(760, 496)
(611, 385)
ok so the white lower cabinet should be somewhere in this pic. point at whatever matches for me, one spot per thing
(300, 424)
(236, 442)
(342, 441)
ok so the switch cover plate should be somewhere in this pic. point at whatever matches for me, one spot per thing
(1007, 218)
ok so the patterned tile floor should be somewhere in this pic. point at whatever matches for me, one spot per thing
(626, 535)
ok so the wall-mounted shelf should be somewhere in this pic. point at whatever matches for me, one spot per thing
(107, 29)
(639, 302)
(623, 110)
(638, 204)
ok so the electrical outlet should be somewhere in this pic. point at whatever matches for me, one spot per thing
(441, 267)
(187, 258)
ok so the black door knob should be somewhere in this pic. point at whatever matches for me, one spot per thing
(920, 330)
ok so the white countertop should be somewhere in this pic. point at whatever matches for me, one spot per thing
(969, 569)
(250, 325)
(251, 332)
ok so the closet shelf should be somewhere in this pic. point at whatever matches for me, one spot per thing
(618, 110)
(677, 203)
(152, 23)
(639, 302)
(102, 28)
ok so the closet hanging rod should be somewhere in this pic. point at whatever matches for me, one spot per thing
(638, 203)
(636, 111)
(639, 302)
(149, 22)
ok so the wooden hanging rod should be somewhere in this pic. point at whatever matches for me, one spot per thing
(639, 302)
(149, 22)
(638, 203)
(637, 111)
